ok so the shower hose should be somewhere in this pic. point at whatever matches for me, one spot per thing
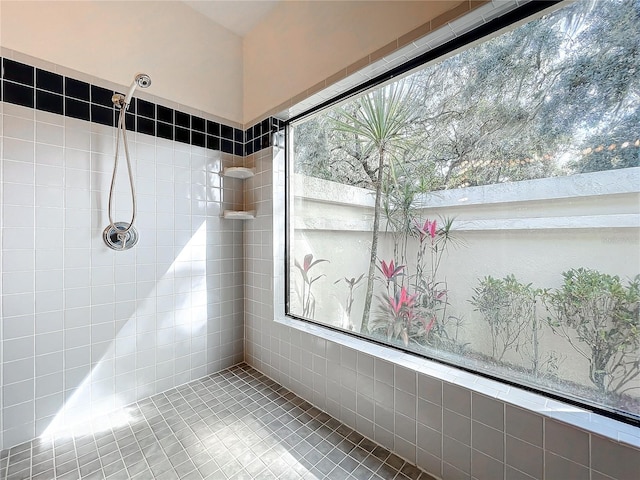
(122, 232)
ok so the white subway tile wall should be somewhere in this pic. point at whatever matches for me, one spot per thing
(86, 329)
(447, 429)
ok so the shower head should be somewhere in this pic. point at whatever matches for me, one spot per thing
(142, 80)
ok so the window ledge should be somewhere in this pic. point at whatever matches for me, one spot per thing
(547, 407)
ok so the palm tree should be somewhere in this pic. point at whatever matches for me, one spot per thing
(379, 123)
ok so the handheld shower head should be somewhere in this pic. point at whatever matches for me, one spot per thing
(142, 80)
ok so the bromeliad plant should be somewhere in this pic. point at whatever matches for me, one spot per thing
(306, 296)
(413, 308)
(397, 306)
(390, 271)
(352, 284)
(401, 315)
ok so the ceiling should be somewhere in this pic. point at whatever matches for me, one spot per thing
(239, 16)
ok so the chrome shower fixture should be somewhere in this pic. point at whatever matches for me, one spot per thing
(123, 235)
(120, 236)
(141, 80)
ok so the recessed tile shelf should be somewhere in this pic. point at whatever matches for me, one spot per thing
(238, 172)
(239, 214)
(242, 173)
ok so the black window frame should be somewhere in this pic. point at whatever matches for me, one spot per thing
(508, 19)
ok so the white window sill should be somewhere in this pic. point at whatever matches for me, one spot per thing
(569, 414)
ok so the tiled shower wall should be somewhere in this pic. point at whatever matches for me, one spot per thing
(448, 430)
(85, 328)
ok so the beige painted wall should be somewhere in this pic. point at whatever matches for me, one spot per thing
(191, 60)
(301, 43)
(197, 63)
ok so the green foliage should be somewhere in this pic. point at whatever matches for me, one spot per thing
(377, 121)
(599, 316)
(526, 104)
(509, 308)
(312, 149)
(381, 117)
(618, 152)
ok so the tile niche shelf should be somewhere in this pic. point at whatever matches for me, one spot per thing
(238, 172)
(242, 173)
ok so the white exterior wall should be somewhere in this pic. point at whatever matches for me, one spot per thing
(535, 230)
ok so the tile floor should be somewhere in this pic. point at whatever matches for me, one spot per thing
(235, 424)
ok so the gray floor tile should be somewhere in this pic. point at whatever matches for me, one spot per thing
(114, 468)
(233, 425)
(46, 475)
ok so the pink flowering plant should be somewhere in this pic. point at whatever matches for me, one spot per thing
(307, 299)
(413, 306)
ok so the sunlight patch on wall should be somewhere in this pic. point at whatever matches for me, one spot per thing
(93, 408)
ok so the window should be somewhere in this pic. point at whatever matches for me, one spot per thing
(483, 210)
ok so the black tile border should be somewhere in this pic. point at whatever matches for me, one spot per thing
(18, 94)
(49, 102)
(33, 87)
